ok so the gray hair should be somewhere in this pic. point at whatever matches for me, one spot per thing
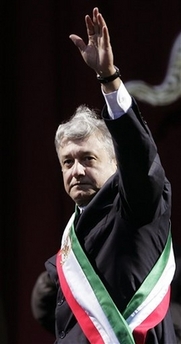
(83, 123)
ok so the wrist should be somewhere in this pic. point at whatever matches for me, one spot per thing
(111, 86)
(109, 78)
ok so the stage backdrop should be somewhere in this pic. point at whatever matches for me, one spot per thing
(43, 79)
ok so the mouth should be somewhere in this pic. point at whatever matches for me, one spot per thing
(78, 185)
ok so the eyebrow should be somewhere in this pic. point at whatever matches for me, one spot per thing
(80, 153)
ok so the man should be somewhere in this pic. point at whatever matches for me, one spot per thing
(116, 263)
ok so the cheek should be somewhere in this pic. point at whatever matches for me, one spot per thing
(107, 172)
(99, 177)
(66, 181)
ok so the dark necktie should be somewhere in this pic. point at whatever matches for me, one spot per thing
(77, 215)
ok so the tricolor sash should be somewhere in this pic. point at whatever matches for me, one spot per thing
(89, 300)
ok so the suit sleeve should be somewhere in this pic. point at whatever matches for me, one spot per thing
(43, 301)
(144, 189)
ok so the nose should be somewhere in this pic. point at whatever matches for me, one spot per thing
(78, 169)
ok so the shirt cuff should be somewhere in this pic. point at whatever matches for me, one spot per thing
(118, 102)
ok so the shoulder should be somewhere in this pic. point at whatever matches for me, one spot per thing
(50, 266)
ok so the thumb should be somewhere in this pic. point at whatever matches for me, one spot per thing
(78, 41)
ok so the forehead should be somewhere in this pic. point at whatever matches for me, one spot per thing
(91, 143)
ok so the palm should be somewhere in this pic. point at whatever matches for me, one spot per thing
(95, 54)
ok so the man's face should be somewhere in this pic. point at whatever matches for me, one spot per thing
(86, 166)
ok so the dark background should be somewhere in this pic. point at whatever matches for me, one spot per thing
(42, 80)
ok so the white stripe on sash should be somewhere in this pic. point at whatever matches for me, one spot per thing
(84, 295)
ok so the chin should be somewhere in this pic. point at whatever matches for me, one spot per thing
(83, 199)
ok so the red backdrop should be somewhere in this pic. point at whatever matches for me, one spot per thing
(43, 80)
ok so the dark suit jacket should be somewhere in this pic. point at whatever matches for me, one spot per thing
(124, 228)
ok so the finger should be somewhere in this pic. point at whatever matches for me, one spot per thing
(106, 38)
(101, 20)
(98, 21)
(94, 15)
(89, 26)
(97, 28)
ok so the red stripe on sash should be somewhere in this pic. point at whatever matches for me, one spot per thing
(152, 320)
(84, 321)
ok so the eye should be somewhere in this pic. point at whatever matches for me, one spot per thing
(67, 163)
(89, 159)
